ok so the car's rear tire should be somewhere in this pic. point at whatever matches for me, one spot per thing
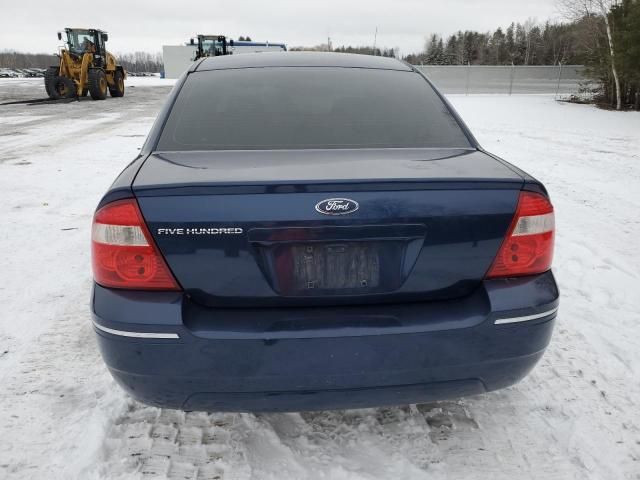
(117, 89)
(97, 84)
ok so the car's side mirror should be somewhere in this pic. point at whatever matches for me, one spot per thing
(105, 37)
(59, 35)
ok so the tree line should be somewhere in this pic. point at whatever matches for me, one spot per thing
(518, 44)
(363, 50)
(141, 62)
(132, 62)
(380, 52)
(603, 35)
(11, 59)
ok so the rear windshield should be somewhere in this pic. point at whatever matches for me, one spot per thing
(308, 107)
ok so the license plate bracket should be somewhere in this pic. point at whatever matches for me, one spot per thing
(335, 266)
(338, 261)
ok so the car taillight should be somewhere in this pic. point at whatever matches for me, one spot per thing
(124, 253)
(528, 246)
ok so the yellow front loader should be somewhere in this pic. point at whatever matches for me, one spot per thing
(85, 67)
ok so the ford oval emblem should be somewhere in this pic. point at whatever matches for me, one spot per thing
(337, 206)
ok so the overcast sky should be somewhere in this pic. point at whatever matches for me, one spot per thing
(31, 25)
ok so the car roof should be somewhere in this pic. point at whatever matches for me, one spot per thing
(300, 59)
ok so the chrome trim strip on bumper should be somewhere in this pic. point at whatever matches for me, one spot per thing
(535, 316)
(124, 333)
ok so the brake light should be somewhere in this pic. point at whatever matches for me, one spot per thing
(124, 253)
(528, 246)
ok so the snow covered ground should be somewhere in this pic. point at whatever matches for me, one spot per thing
(577, 416)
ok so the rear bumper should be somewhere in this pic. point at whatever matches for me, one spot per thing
(167, 351)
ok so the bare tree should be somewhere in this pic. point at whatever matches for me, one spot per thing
(12, 59)
(528, 26)
(577, 9)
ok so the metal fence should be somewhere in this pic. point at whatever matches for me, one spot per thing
(552, 79)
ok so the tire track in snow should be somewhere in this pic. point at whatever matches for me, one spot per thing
(413, 442)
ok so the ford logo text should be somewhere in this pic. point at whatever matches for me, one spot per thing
(337, 206)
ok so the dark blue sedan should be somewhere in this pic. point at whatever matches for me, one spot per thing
(316, 231)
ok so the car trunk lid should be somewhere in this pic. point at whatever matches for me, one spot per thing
(247, 227)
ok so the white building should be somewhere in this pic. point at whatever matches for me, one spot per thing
(178, 58)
